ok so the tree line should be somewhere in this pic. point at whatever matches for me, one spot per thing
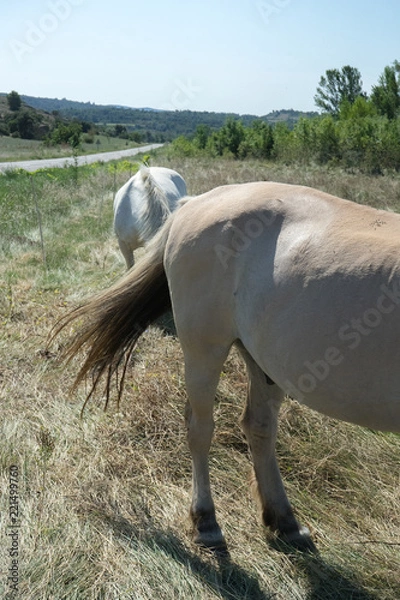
(354, 130)
(58, 121)
(148, 124)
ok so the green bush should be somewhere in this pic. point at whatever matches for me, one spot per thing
(258, 141)
(183, 147)
(66, 134)
(358, 138)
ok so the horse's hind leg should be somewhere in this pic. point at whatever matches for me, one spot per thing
(127, 253)
(202, 375)
(259, 423)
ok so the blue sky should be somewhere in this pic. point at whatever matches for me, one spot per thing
(243, 56)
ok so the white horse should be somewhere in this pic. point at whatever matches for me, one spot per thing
(142, 205)
(306, 285)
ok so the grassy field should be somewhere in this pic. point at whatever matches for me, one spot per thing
(103, 500)
(13, 149)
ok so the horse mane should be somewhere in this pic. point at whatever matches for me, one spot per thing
(156, 209)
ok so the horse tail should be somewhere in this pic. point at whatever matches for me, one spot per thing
(156, 209)
(113, 321)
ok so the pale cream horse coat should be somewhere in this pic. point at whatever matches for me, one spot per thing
(308, 287)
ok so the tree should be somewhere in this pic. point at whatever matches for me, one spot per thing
(14, 101)
(386, 95)
(23, 124)
(67, 134)
(258, 141)
(26, 124)
(230, 136)
(360, 109)
(202, 134)
(337, 87)
(120, 131)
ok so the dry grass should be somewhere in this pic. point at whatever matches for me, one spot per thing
(204, 174)
(103, 501)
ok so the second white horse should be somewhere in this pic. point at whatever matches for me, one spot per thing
(142, 205)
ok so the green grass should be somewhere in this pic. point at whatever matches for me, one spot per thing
(103, 500)
(14, 149)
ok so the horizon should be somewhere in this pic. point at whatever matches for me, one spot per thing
(153, 109)
(246, 58)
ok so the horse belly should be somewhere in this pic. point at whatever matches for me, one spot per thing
(334, 349)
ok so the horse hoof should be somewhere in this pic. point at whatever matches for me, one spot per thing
(211, 540)
(299, 540)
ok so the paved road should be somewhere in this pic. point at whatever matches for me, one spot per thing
(48, 163)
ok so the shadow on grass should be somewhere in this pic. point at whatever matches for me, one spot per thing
(217, 571)
(326, 581)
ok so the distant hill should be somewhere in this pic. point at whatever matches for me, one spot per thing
(28, 122)
(153, 124)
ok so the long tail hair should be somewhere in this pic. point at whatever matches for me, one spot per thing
(113, 320)
(156, 210)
